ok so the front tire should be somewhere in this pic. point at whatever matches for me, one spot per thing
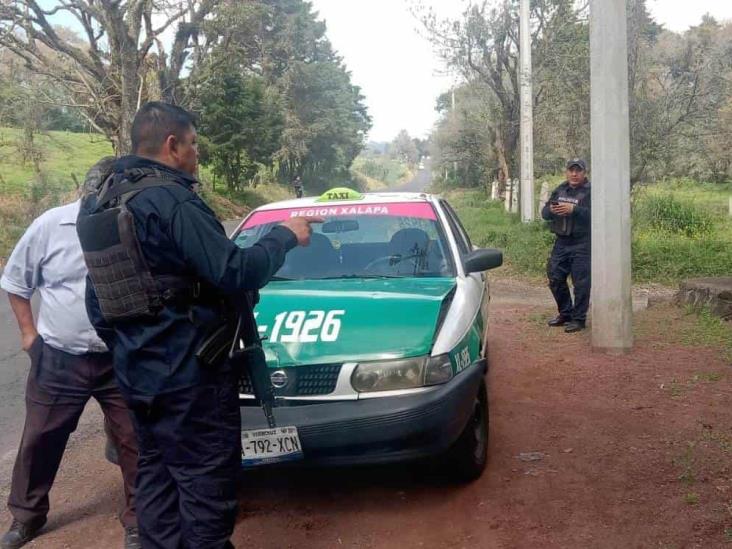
(468, 456)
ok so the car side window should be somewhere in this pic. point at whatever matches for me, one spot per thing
(461, 237)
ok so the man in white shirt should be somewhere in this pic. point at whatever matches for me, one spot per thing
(69, 364)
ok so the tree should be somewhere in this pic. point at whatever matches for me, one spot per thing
(404, 148)
(680, 89)
(483, 47)
(106, 74)
(463, 139)
(240, 125)
(283, 43)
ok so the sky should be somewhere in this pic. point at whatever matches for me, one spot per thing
(394, 64)
(400, 75)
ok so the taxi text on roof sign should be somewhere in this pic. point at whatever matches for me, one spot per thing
(340, 193)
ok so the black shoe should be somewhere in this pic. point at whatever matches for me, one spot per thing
(21, 533)
(558, 320)
(132, 538)
(574, 326)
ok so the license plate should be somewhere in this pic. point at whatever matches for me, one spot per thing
(263, 446)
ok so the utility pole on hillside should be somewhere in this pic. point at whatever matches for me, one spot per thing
(527, 118)
(454, 118)
(612, 306)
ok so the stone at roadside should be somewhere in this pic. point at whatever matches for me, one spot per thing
(531, 456)
(712, 293)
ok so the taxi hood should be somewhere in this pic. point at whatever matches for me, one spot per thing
(349, 320)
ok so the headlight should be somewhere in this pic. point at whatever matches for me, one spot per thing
(389, 375)
(406, 373)
(438, 370)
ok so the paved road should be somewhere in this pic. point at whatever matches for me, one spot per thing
(13, 369)
(421, 182)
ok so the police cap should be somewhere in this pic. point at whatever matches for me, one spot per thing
(572, 162)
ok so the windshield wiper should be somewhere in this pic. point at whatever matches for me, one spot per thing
(280, 278)
(351, 276)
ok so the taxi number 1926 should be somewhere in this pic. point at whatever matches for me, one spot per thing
(305, 326)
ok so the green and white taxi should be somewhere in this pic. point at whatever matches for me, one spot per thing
(374, 335)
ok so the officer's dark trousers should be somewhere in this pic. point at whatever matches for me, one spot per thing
(190, 453)
(59, 386)
(570, 258)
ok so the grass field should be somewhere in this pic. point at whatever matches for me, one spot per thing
(680, 230)
(64, 159)
(63, 156)
(380, 171)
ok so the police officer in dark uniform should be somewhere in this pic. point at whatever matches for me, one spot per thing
(162, 277)
(568, 210)
(298, 187)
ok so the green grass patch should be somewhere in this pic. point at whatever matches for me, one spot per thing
(679, 231)
(666, 324)
(62, 157)
(367, 184)
(711, 197)
(686, 462)
(691, 498)
(253, 197)
(525, 246)
(389, 171)
(707, 330)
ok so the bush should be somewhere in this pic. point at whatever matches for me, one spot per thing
(672, 239)
(669, 258)
(666, 213)
(525, 247)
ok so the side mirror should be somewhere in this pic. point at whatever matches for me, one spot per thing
(481, 260)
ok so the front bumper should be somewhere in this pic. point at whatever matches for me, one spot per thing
(380, 430)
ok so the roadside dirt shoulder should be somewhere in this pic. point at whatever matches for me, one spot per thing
(586, 450)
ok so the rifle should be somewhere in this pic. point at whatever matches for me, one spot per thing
(246, 350)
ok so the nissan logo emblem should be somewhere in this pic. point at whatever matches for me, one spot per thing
(278, 379)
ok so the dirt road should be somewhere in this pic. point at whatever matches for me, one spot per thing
(586, 450)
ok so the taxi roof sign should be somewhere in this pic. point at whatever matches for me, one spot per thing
(340, 193)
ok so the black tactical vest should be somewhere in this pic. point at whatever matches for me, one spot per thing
(125, 287)
(564, 225)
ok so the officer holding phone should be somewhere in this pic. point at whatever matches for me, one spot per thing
(568, 211)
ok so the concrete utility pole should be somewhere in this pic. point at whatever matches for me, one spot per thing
(454, 117)
(527, 118)
(612, 310)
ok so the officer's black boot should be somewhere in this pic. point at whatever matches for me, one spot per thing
(574, 326)
(21, 533)
(558, 320)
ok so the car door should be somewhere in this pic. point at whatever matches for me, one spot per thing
(475, 284)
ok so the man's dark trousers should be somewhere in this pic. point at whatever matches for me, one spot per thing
(571, 257)
(190, 453)
(59, 386)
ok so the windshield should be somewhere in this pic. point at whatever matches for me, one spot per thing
(364, 241)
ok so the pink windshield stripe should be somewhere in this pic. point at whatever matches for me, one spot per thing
(397, 209)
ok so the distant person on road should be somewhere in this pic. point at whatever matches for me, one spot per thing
(69, 365)
(297, 186)
(568, 210)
